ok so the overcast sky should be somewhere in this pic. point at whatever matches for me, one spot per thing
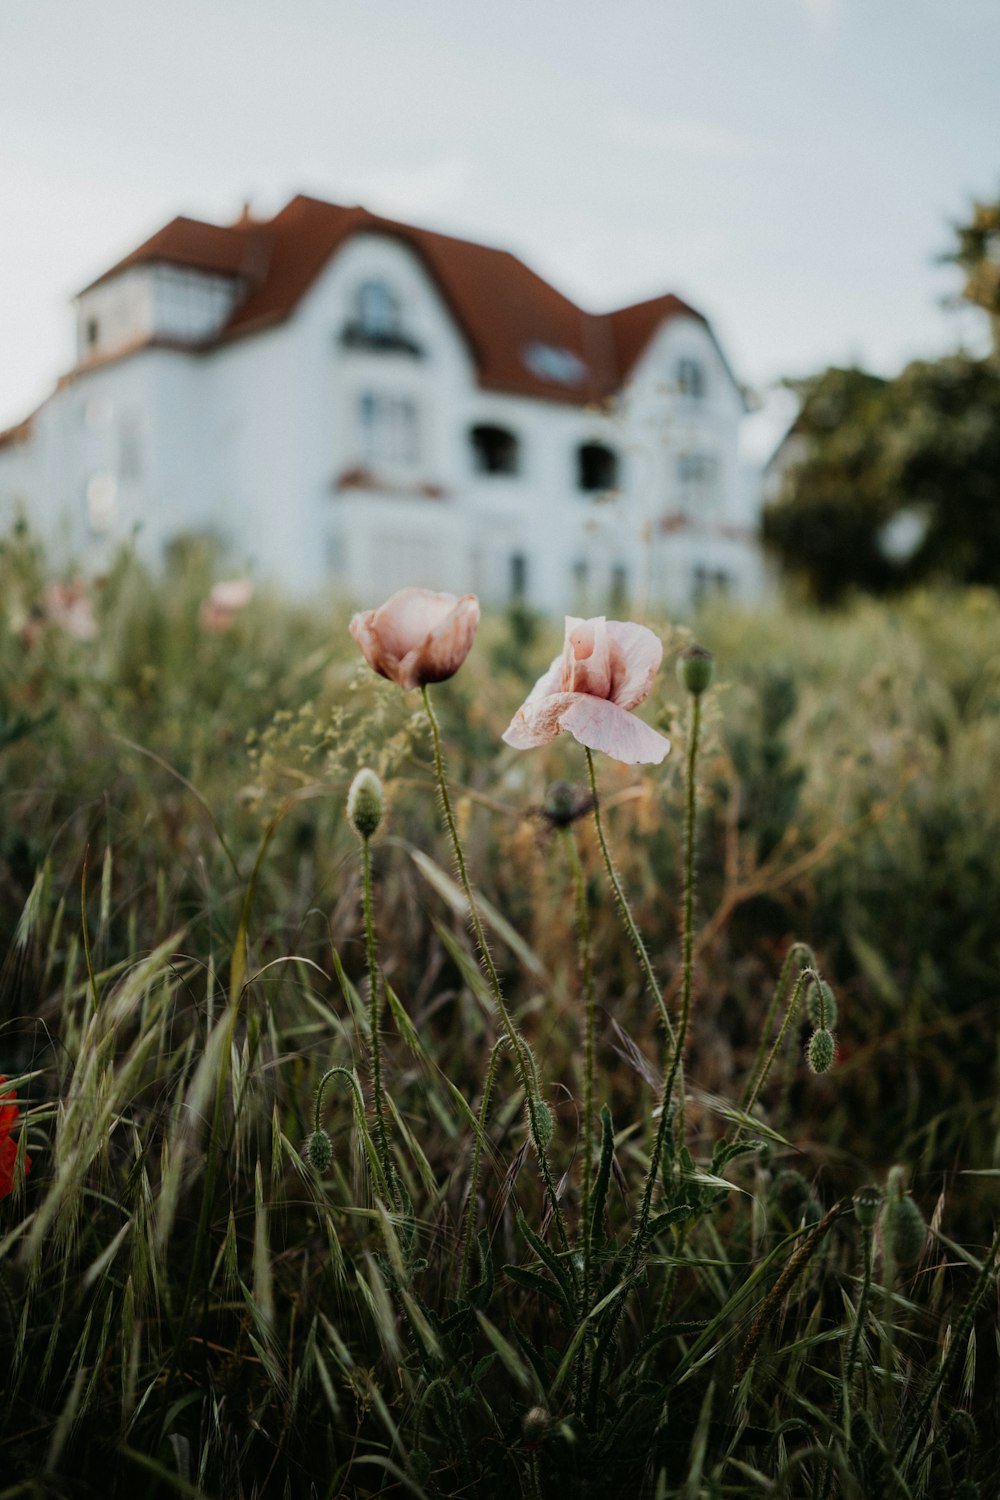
(788, 166)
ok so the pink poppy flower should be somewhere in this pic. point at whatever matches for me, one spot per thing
(606, 668)
(417, 636)
(225, 600)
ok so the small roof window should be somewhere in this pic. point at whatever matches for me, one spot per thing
(549, 362)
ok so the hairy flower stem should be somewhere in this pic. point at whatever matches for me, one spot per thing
(477, 1156)
(517, 1044)
(587, 980)
(381, 1134)
(624, 910)
(674, 1078)
(844, 1394)
(800, 984)
(797, 950)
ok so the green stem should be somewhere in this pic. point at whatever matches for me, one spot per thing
(796, 950)
(956, 1347)
(477, 1154)
(800, 984)
(675, 1066)
(517, 1043)
(587, 980)
(381, 1133)
(624, 910)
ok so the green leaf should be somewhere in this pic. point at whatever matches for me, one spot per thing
(534, 1281)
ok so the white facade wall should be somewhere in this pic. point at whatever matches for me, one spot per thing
(263, 442)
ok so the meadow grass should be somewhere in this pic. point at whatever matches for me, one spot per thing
(782, 1284)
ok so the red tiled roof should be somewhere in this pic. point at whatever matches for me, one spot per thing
(500, 304)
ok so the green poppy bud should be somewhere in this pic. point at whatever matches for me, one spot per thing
(695, 670)
(365, 804)
(820, 1051)
(829, 1004)
(867, 1203)
(318, 1152)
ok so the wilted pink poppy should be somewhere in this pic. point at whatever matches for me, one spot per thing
(606, 668)
(417, 636)
(225, 600)
(68, 606)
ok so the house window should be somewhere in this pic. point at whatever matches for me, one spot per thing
(388, 428)
(378, 310)
(518, 575)
(494, 450)
(597, 467)
(102, 503)
(690, 378)
(618, 592)
(709, 583)
(376, 321)
(698, 481)
(91, 333)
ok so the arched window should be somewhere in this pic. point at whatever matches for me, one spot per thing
(597, 467)
(378, 310)
(495, 450)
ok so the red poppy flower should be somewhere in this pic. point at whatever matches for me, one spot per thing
(8, 1148)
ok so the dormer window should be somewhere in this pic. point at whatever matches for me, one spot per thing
(378, 310)
(377, 320)
(690, 378)
(596, 467)
(494, 450)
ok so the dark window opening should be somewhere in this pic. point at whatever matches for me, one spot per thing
(518, 575)
(597, 467)
(91, 332)
(377, 321)
(495, 450)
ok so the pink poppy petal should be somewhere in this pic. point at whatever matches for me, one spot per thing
(636, 654)
(586, 660)
(445, 647)
(601, 725)
(408, 617)
(538, 722)
(362, 628)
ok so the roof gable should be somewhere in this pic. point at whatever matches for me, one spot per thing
(525, 336)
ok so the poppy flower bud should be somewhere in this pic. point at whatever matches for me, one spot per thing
(318, 1152)
(820, 1051)
(825, 1013)
(365, 804)
(695, 670)
(543, 1124)
(905, 1223)
(867, 1203)
(564, 804)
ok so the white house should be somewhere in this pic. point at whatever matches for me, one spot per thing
(352, 402)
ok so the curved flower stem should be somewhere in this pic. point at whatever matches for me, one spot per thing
(477, 1155)
(797, 950)
(804, 976)
(381, 1134)
(624, 910)
(517, 1043)
(587, 979)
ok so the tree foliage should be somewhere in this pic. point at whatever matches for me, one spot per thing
(886, 483)
(977, 252)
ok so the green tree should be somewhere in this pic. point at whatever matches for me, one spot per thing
(977, 252)
(885, 483)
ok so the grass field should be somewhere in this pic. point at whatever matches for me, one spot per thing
(785, 1286)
